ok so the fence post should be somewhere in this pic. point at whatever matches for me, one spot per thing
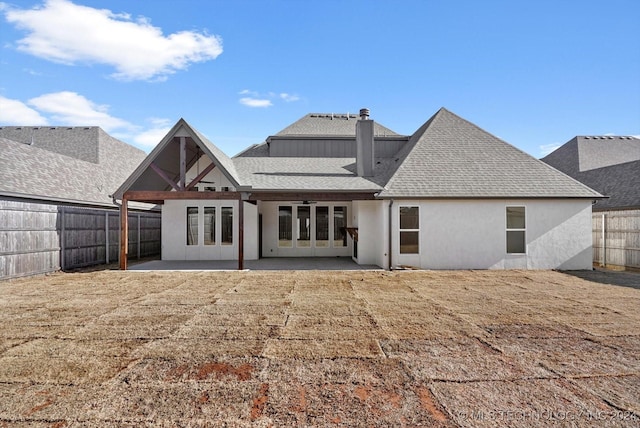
(62, 238)
(139, 239)
(106, 236)
(604, 240)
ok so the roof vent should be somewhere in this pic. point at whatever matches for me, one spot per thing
(364, 114)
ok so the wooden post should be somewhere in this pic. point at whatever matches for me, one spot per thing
(604, 240)
(139, 239)
(63, 240)
(183, 163)
(124, 233)
(240, 234)
(106, 236)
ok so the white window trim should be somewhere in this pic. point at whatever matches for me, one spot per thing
(400, 230)
(312, 225)
(507, 230)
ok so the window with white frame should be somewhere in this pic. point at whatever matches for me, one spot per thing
(285, 226)
(226, 226)
(409, 230)
(322, 226)
(192, 225)
(209, 225)
(339, 226)
(516, 230)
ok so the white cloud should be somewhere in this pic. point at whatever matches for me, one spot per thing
(64, 32)
(289, 97)
(15, 112)
(545, 149)
(255, 102)
(257, 99)
(70, 108)
(151, 137)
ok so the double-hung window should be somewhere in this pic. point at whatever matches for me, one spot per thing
(516, 230)
(409, 230)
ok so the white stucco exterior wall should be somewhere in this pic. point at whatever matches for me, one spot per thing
(372, 220)
(174, 227)
(471, 234)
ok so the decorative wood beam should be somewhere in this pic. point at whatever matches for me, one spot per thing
(200, 176)
(311, 196)
(164, 175)
(161, 195)
(183, 163)
(124, 233)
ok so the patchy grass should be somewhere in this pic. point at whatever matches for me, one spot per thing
(412, 348)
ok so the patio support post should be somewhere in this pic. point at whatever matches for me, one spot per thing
(124, 233)
(240, 234)
(183, 163)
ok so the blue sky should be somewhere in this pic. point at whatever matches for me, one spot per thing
(534, 73)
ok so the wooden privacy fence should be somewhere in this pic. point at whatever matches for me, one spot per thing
(616, 238)
(38, 238)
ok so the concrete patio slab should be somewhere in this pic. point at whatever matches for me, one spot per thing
(285, 263)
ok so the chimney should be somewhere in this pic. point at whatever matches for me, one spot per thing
(365, 156)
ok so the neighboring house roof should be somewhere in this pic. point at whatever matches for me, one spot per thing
(329, 124)
(450, 157)
(608, 164)
(50, 170)
(447, 157)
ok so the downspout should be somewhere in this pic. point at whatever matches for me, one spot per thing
(390, 235)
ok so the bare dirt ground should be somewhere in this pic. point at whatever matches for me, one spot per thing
(413, 348)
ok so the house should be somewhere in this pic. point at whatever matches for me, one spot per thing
(610, 165)
(449, 196)
(56, 211)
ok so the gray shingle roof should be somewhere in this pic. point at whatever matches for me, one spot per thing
(38, 173)
(449, 157)
(310, 174)
(322, 124)
(608, 164)
(77, 142)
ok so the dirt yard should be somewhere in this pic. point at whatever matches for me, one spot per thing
(411, 348)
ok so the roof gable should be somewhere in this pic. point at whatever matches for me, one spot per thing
(166, 157)
(449, 157)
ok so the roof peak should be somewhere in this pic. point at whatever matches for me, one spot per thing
(608, 137)
(345, 116)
